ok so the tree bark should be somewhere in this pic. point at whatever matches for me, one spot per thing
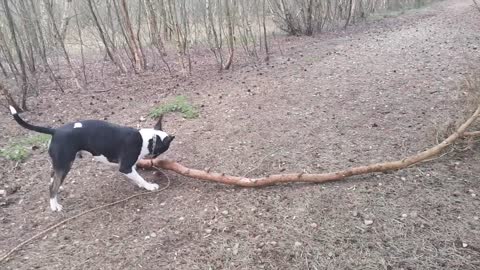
(23, 74)
(67, 6)
(312, 178)
(103, 37)
(264, 26)
(61, 42)
(136, 51)
(155, 35)
(230, 29)
(349, 15)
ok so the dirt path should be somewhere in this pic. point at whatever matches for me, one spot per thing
(376, 92)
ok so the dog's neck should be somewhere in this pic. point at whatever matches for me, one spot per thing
(148, 134)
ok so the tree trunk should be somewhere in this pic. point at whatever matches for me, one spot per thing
(230, 29)
(267, 56)
(62, 45)
(67, 6)
(132, 40)
(103, 38)
(23, 75)
(155, 35)
(350, 10)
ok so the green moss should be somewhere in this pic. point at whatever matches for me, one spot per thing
(179, 104)
(20, 149)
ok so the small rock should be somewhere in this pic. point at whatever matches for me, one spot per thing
(330, 254)
(273, 243)
(368, 222)
(153, 235)
(404, 215)
(298, 244)
(208, 230)
(313, 225)
(235, 249)
(403, 178)
(225, 212)
(147, 237)
(355, 213)
(475, 218)
(142, 119)
(3, 192)
(181, 218)
(473, 195)
(464, 245)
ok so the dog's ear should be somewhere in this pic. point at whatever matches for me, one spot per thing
(158, 125)
(167, 140)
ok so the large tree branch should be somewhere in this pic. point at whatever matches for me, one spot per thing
(305, 177)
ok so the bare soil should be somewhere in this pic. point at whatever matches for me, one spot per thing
(377, 91)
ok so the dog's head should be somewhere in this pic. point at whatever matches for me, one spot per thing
(160, 141)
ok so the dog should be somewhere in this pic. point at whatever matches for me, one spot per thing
(108, 143)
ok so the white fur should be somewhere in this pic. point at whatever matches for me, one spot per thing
(104, 160)
(77, 125)
(135, 177)
(54, 205)
(147, 134)
(12, 110)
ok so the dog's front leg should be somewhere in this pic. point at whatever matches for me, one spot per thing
(133, 175)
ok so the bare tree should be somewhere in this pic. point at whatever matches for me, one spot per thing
(103, 37)
(265, 39)
(61, 43)
(80, 37)
(23, 75)
(230, 37)
(67, 7)
(155, 35)
(132, 40)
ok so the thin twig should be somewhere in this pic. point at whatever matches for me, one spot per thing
(259, 163)
(476, 5)
(29, 240)
(471, 134)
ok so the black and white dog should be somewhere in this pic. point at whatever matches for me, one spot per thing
(108, 143)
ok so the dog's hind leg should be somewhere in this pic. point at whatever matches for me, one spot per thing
(57, 180)
(61, 167)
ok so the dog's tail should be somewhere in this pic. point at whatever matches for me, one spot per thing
(26, 125)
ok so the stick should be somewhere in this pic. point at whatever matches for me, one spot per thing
(313, 178)
(29, 240)
(471, 134)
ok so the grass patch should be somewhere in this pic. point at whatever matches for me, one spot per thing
(179, 104)
(20, 149)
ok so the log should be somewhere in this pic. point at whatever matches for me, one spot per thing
(306, 177)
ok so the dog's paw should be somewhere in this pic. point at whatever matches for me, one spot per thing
(151, 187)
(55, 206)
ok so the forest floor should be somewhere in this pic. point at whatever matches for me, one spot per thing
(379, 91)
